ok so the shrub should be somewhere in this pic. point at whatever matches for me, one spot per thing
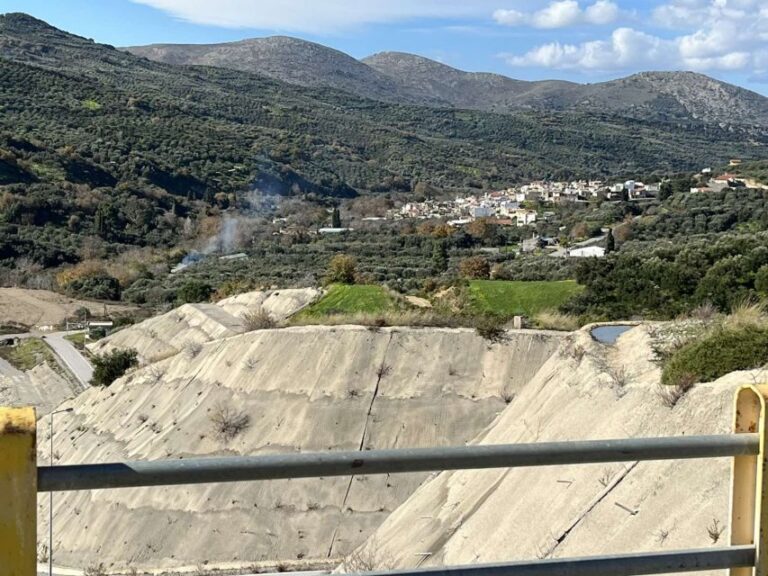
(475, 267)
(228, 422)
(341, 270)
(110, 366)
(192, 349)
(258, 320)
(102, 287)
(491, 328)
(194, 291)
(721, 352)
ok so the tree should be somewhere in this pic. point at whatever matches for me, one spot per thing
(440, 255)
(336, 218)
(475, 267)
(110, 366)
(610, 242)
(194, 291)
(341, 270)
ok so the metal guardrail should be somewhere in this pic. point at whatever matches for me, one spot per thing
(20, 479)
(311, 465)
(618, 565)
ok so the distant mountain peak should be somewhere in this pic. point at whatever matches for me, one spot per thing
(22, 22)
(404, 78)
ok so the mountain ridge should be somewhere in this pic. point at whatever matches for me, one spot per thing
(405, 78)
(98, 143)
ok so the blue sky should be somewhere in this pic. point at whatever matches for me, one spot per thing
(580, 40)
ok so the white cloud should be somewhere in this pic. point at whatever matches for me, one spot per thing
(316, 16)
(557, 15)
(510, 17)
(561, 14)
(729, 35)
(601, 12)
(626, 48)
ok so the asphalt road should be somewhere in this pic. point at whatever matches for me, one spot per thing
(71, 356)
(65, 350)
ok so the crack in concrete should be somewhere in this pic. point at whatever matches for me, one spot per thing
(380, 374)
(560, 538)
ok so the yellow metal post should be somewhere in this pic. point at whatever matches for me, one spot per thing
(18, 492)
(749, 519)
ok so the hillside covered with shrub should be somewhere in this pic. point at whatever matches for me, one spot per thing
(101, 150)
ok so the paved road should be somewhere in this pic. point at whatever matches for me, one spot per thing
(71, 356)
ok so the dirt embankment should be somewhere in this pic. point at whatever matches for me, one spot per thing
(37, 308)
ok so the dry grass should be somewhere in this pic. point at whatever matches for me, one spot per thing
(95, 570)
(671, 395)
(554, 320)
(715, 530)
(747, 314)
(258, 320)
(382, 319)
(368, 558)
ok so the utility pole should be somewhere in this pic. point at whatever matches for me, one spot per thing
(50, 495)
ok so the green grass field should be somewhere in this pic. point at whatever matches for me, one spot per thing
(513, 298)
(29, 353)
(352, 299)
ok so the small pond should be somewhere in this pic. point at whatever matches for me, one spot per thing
(609, 334)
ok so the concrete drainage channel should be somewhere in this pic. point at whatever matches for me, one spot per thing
(609, 333)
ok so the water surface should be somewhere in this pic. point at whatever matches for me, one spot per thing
(609, 334)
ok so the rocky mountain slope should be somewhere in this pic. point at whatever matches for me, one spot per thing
(412, 79)
(290, 60)
(302, 389)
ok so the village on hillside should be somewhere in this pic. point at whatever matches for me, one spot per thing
(511, 207)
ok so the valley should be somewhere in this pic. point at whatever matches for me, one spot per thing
(268, 247)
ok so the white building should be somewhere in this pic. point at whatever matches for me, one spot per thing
(525, 217)
(587, 252)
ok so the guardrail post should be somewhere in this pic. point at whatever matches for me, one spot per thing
(18, 492)
(749, 501)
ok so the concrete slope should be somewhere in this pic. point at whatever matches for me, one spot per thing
(192, 324)
(304, 389)
(40, 387)
(280, 304)
(560, 511)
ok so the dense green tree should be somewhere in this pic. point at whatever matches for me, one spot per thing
(110, 366)
(194, 291)
(439, 255)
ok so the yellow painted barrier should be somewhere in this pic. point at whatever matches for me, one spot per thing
(18, 492)
(748, 480)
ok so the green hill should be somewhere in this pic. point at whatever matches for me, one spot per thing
(98, 143)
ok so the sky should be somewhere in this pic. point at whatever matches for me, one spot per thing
(579, 40)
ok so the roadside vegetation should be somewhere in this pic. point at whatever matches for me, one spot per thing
(112, 365)
(710, 345)
(30, 352)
